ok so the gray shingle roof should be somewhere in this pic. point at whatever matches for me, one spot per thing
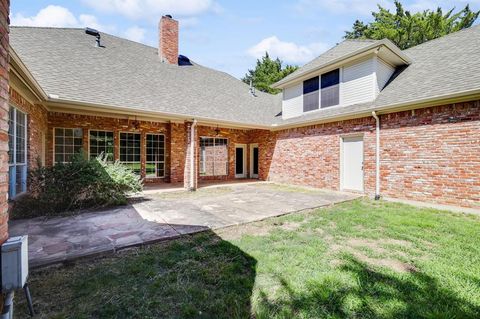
(446, 65)
(124, 73)
(128, 74)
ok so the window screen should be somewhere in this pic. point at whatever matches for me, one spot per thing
(330, 88)
(213, 156)
(310, 94)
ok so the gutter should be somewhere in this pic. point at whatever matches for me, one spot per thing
(57, 104)
(377, 155)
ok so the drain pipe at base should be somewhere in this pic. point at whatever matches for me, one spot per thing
(192, 155)
(377, 156)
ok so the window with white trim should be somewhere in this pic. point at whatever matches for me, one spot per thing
(17, 152)
(213, 156)
(155, 163)
(68, 142)
(130, 150)
(101, 142)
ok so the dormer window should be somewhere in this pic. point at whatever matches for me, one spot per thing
(321, 91)
(311, 94)
(330, 88)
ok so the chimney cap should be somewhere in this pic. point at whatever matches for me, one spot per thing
(168, 16)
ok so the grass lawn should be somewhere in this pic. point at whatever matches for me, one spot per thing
(361, 259)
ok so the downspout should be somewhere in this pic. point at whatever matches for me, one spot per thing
(377, 156)
(192, 155)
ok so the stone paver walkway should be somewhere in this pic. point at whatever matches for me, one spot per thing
(163, 215)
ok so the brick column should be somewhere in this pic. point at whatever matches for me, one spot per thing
(189, 146)
(178, 138)
(4, 22)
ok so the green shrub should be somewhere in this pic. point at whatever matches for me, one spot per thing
(69, 187)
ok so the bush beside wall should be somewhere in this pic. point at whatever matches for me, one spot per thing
(66, 188)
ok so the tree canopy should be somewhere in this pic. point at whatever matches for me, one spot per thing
(267, 71)
(407, 30)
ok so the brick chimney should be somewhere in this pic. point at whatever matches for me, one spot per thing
(168, 39)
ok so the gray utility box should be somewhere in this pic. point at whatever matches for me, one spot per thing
(14, 263)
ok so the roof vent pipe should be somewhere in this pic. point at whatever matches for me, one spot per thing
(96, 34)
(252, 89)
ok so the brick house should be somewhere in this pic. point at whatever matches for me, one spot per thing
(364, 116)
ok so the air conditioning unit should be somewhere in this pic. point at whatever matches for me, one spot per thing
(14, 263)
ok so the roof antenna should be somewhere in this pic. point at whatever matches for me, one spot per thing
(252, 89)
(96, 34)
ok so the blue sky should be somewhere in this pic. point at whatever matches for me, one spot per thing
(225, 35)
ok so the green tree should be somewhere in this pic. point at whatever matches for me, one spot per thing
(407, 30)
(267, 72)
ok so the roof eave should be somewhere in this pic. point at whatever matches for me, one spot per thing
(64, 105)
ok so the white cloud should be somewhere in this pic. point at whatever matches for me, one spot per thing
(58, 16)
(141, 9)
(135, 33)
(361, 7)
(50, 16)
(287, 51)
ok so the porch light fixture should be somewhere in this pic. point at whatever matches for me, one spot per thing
(217, 131)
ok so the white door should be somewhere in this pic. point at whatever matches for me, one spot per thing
(352, 159)
(240, 160)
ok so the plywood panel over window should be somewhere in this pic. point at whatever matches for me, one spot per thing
(213, 156)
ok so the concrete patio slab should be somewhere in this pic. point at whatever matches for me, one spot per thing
(160, 215)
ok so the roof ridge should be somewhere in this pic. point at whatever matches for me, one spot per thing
(445, 36)
(38, 27)
(82, 29)
(360, 40)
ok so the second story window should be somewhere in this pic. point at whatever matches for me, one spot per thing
(330, 88)
(310, 94)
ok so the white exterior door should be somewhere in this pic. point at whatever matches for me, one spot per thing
(352, 163)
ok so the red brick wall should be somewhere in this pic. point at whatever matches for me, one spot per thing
(430, 154)
(4, 21)
(109, 124)
(433, 154)
(37, 126)
(311, 155)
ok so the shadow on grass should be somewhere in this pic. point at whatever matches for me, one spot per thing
(357, 290)
(198, 276)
